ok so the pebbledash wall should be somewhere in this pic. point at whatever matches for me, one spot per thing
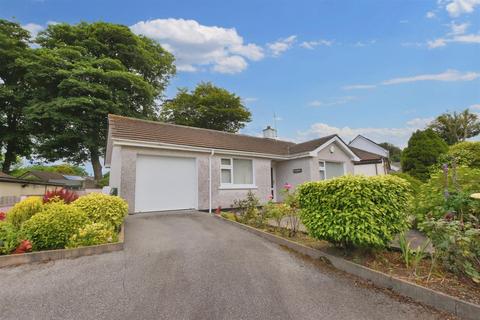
(123, 176)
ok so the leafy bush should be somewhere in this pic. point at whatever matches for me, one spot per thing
(465, 153)
(432, 200)
(457, 245)
(9, 238)
(229, 215)
(93, 234)
(103, 208)
(64, 195)
(415, 184)
(276, 211)
(248, 210)
(24, 210)
(355, 210)
(53, 227)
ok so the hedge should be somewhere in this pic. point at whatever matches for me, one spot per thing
(355, 210)
(103, 208)
(24, 210)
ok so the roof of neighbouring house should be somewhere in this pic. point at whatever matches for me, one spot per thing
(366, 156)
(4, 175)
(131, 129)
(43, 175)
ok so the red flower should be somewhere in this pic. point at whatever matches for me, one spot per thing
(63, 194)
(3, 215)
(23, 247)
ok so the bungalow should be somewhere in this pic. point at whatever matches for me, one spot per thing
(68, 181)
(158, 166)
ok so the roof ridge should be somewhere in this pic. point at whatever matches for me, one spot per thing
(197, 128)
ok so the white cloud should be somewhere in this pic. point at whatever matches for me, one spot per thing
(430, 15)
(364, 43)
(475, 106)
(315, 43)
(457, 29)
(359, 87)
(195, 46)
(33, 28)
(437, 43)
(250, 99)
(398, 136)
(332, 102)
(449, 75)
(281, 45)
(467, 38)
(458, 7)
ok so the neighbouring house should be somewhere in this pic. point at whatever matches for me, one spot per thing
(158, 166)
(68, 181)
(12, 190)
(374, 159)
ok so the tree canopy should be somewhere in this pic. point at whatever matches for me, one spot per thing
(423, 150)
(15, 138)
(456, 127)
(393, 151)
(63, 168)
(83, 72)
(207, 106)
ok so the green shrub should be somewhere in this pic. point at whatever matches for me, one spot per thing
(431, 201)
(465, 153)
(53, 227)
(355, 210)
(457, 245)
(415, 184)
(248, 210)
(103, 208)
(9, 238)
(276, 211)
(93, 234)
(24, 210)
(229, 215)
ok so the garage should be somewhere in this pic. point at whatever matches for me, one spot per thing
(165, 183)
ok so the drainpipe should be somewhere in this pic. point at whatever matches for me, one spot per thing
(210, 181)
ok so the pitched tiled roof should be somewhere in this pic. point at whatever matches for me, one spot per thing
(43, 175)
(152, 131)
(309, 145)
(365, 155)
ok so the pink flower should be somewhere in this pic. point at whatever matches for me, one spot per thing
(270, 197)
(287, 186)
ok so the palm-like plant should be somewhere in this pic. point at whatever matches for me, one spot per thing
(456, 127)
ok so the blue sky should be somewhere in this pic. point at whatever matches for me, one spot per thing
(378, 68)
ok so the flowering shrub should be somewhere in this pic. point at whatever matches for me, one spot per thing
(53, 227)
(3, 215)
(8, 237)
(23, 247)
(93, 234)
(24, 210)
(103, 208)
(248, 210)
(355, 210)
(64, 195)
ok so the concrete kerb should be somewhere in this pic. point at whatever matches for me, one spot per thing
(435, 299)
(50, 255)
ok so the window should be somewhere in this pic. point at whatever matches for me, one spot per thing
(236, 171)
(330, 170)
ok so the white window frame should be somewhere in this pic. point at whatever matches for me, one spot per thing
(233, 185)
(324, 169)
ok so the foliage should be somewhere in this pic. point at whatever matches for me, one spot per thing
(64, 195)
(208, 107)
(15, 137)
(24, 210)
(412, 257)
(248, 210)
(105, 181)
(3, 215)
(415, 184)
(103, 208)
(456, 127)
(457, 245)
(423, 150)
(394, 152)
(229, 216)
(355, 210)
(465, 153)
(64, 168)
(448, 192)
(92, 234)
(53, 227)
(276, 211)
(83, 72)
(9, 238)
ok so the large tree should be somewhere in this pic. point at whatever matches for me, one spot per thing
(84, 72)
(208, 107)
(14, 95)
(394, 152)
(423, 150)
(456, 127)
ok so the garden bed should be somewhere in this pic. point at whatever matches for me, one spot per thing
(390, 262)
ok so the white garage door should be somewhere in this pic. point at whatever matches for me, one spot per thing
(165, 183)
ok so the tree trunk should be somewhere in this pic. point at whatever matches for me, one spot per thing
(96, 165)
(9, 157)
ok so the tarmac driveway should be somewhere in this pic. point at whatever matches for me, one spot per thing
(192, 266)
